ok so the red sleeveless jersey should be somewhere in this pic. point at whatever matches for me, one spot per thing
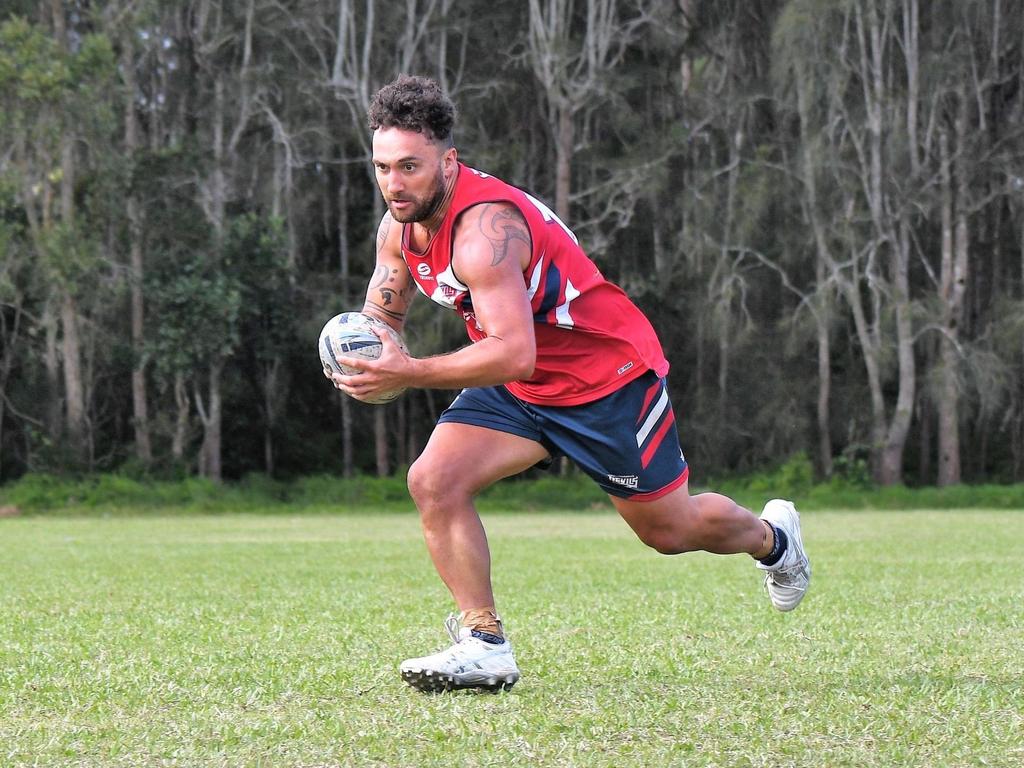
(591, 339)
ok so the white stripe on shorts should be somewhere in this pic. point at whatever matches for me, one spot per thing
(652, 419)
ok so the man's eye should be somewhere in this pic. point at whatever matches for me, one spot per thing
(410, 167)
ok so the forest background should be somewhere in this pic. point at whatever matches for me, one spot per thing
(819, 203)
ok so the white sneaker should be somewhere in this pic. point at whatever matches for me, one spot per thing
(470, 663)
(788, 579)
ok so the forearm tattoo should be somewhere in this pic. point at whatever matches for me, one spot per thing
(502, 228)
(390, 289)
(400, 316)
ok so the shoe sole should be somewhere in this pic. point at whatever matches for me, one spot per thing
(429, 681)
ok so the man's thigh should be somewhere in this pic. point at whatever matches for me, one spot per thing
(481, 438)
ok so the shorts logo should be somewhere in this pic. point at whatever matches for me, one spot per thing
(628, 481)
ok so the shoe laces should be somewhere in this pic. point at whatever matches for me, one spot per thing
(787, 576)
(452, 625)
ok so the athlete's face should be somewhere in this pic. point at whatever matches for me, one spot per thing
(412, 172)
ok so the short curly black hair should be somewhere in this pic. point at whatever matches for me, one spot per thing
(413, 103)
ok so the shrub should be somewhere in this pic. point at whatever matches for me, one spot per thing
(793, 480)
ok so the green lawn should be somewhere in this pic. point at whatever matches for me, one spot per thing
(249, 640)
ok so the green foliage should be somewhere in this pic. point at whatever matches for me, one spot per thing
(71, 256)
(575, 492)
(199, 308)
(33, 69)
(791, 480)
(692, 193)
(255, 254)
(34, 492)
(122, 492)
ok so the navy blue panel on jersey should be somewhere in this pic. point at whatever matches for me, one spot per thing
(626, 441)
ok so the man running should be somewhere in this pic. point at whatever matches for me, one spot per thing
(562, 363)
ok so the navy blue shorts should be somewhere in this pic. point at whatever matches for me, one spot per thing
(626, 441)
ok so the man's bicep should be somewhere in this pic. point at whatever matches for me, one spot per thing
(490, 249)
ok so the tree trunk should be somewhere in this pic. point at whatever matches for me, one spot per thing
(893, 238)
(210, 455)
(722, 287)
(924, 452)
(401, 430)
(412, 448)
(824, 409)
(686, 59)
(380, 437)
(563, 161)
(948, 417)
(896, 439)
(823, 265)
(274, 385)
(347, 455)
(912, 60)
(140, 411)
(344, 256)
(211, 417)
(270, 399)
(216, 422)
(51, 364)
(74, 387)
(953, 287)
(268, 453)
(71, 346)
(852, 294)
(181, 419)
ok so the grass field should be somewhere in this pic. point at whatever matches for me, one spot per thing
(249, 640)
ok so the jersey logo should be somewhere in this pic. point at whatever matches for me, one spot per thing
(423, 268)
(628, 481)
(625, 368)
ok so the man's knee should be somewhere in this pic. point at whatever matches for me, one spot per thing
(420, 480)
(429, 484)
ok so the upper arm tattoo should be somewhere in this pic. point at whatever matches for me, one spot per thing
(383, 229)
(391, 288)
(502, 228)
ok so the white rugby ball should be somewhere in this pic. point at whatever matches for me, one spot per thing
(350, 334)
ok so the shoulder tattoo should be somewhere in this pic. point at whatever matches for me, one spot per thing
(502, 227)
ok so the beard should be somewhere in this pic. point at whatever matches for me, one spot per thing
(422, 207)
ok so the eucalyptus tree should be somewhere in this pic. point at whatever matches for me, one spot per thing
(572, 51)
(371, 45)
(975, 154)
(847, 108)
(56, 117)
(124, 27)
(221, 42)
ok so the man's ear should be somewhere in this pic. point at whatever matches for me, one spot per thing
(450, 159)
